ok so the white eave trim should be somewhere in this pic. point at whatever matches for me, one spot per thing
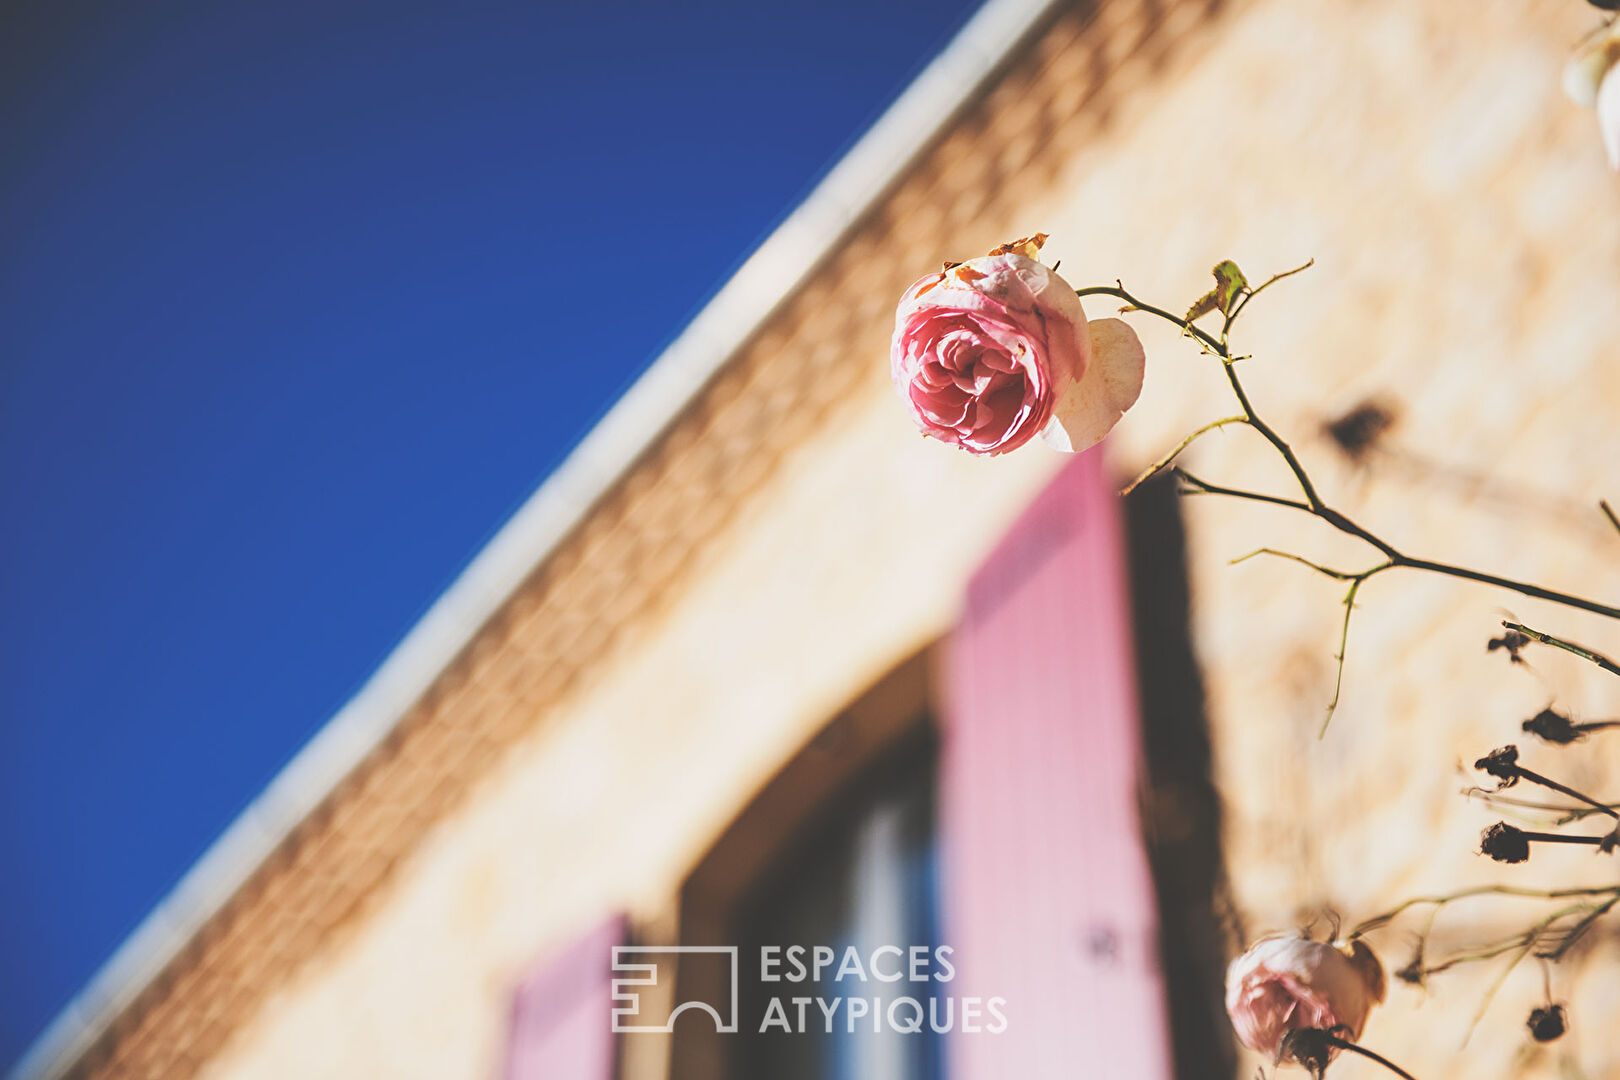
(787, 257)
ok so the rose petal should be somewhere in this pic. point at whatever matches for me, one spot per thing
(1593, 58)
(1608, 110)
(1093, 404)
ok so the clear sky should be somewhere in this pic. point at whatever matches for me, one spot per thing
(298, 301)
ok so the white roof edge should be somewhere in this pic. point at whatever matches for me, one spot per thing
(789, 255)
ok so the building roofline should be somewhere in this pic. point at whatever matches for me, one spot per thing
(787, 257)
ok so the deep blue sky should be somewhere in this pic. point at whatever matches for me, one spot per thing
(298, 301)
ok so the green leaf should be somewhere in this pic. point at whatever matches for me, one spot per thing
(1229, 285)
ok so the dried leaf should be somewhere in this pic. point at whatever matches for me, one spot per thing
(1229, 285)
(1029, 247)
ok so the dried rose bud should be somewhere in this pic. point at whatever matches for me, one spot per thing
(1548, 1023)
(1310, 1047)
(1284, 984)
(1504, 843)
(1554, 727)
(1502, 763)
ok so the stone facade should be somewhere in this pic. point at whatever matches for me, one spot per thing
(791, 539)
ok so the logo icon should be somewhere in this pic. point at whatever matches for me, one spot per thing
(656, 969)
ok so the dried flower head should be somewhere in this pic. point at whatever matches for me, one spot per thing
(1504, 843)
(1311, 1047)
(1554, 727)
(1502, 763)
(1547, 1023)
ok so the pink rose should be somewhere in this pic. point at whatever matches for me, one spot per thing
(991, 352)
(1284, 983)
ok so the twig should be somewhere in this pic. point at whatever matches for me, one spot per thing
(1346, 1044)
(1384, 919)
(1325, 571)
(1568, 646)
(1356, 579)
(1579, 930)
(1608, 512)
(1159, 466)
(1312, 502)
(1570, 813)
(1268, 283)
(1503, 764)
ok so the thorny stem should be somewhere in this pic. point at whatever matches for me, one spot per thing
(1379, 921)
(1568, 646)
(1522, 945)
(1571, 813)
(1579, 930)
(1118, 290)
(1312, 502)
(1344, 649)
(1537, 778)
(1337, 575)
(1560, 838)
(1252, 293)
(1396, 558)
(1346, 1044)
(1159, 466)
(1356, 580)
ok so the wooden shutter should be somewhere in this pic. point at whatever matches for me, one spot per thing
(561, 1024)
(1048, 897)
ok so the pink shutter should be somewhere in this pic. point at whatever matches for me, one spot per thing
(1049, 900)
(561, 1026)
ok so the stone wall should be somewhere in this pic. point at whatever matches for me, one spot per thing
(792, 539)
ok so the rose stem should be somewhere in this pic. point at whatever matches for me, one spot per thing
(1537, 778)
(1346, 1044)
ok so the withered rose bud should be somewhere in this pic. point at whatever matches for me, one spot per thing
(1554, 727)
(1547, 1024)
(1310, 1047)
(1502, 763)
(1504, 843)
(1284, 984)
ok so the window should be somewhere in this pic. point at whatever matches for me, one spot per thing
(838, 850)
(863, 881)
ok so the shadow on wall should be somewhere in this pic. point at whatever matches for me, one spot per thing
(1181, 812)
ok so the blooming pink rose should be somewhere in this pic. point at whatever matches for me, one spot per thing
(990, 352)
(1284, 983)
